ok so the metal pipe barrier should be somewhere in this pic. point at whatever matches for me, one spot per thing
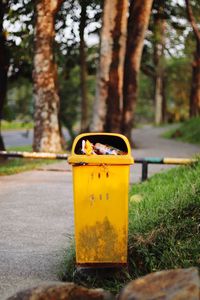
(144, 161)
(161, 161)
(35, 155)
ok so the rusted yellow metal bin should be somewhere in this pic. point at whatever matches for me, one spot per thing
(101, 184)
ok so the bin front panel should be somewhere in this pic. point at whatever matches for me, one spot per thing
(101, 213)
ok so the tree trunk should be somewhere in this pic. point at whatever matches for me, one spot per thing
(164, 100)
(4, 63)
(139, 14)
(116, 73)
(108, 100)
(83, 68)
(46, 131)
(159, 42)
(195, 86)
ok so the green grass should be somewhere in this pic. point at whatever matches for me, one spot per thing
(164, 229)
(17, 165)
(16, 125)
(26, 148)
(188, 131)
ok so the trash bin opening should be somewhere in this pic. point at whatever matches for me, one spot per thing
(113, 141)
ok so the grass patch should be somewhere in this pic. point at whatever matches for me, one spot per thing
(188, 131)
(26, 148)
(16, 125)
(12, 166)
(165, 223)
(164, 229)
(17, 165)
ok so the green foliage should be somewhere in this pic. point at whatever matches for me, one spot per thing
(179, 48)
(164, 217)
(188, 131)
(20, 22)
(178, 88)
(16, 125)
(20, 18)
(145, 106)
(70, 99)
(19, 100)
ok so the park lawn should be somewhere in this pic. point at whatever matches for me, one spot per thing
(15, 125)
(164, 230)
(17, 165)
(188, 131)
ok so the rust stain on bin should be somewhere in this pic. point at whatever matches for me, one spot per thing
(101, 243)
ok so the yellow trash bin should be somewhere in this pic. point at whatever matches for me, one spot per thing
(101, 184)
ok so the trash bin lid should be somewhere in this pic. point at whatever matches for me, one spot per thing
(115, 140)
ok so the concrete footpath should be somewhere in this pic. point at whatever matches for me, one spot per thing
(36, 214)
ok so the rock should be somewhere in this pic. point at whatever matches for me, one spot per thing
(65, 291)
(180, 284)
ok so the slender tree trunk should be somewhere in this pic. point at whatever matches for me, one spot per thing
(164, 100)
(159, 42)
(4, 63)
(83, 70)
(105, 55)
(139, 14)
(116, 73)
(158, 100)
(108, 100)
(46, 131)
(195, 86)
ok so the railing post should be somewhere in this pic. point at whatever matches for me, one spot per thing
(144, 170)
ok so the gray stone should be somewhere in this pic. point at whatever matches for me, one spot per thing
(179, 284)
(67, 291)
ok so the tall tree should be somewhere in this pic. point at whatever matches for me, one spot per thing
(4, 62)
(83, 67)
(166, 33)
(46, 130)
(116, 72)
(195, 88)
(108, 100)
(139, 14)
(159, 45)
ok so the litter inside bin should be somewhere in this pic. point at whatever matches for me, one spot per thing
(89, 148)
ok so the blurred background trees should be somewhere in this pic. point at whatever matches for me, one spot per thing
(195, 85)
(157, 79)
(4, 63)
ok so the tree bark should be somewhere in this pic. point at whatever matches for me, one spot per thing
(159, 43)
(83, 68)
(4, 64)
(108, 100)
(139, 14)
(164, 100)
(115, 84)
(46, 130)
(195, 86)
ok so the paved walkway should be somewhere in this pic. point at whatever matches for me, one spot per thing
(36, 214)
(150, 144)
